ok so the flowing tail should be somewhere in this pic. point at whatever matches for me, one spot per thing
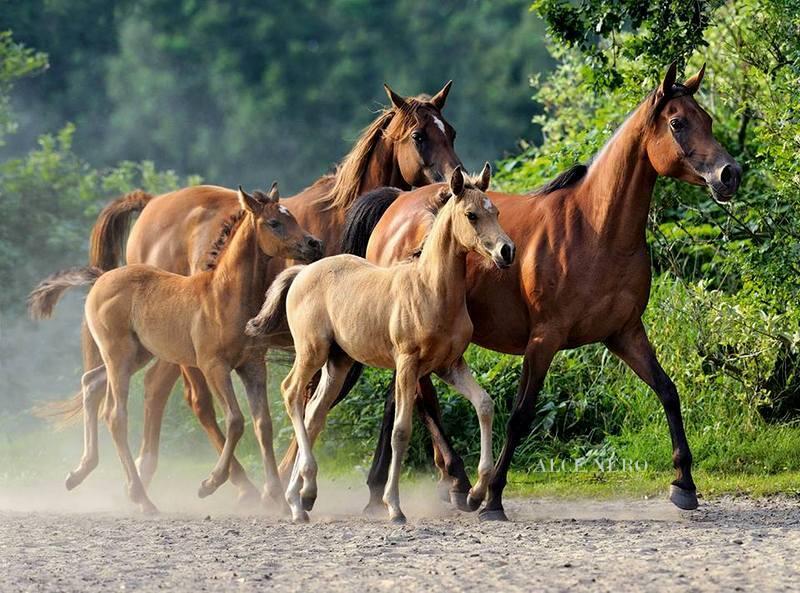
(107, 240)
(41, 303)
(271, 319)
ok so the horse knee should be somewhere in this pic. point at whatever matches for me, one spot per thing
(235, 425)
(485, 406)
(263, 427)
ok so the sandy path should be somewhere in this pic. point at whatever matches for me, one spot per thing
(729, 544)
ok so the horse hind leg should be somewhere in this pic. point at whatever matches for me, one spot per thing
(93, 384)
(158, 382)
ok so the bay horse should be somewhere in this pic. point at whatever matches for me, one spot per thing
(409, 144)
(139, 311)
(582, 274)
(411, 317)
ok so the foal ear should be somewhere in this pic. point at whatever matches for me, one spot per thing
(694, 82)
(272, 194)
(439, 98)
(669, 80)
(486, 176)
(457, 182)
(398, 101)
(249, 203)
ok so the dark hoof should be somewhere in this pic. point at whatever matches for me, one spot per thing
(399, 519)
(682, 498)
(492, 515)
(459, 500)
(473, 504)
(73, 480)
(308, 503)
(374, 509)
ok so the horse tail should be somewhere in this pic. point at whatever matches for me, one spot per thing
(109, 232)
(43, 299)
(363, 217)
(271, 319)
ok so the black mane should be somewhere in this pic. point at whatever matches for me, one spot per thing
(563, 180)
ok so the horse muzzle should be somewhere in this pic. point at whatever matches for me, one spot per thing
(503, 254)
(312, 250)
(725, 181)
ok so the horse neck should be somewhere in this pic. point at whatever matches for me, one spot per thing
(240, 276)
(443, 263)
(616, 193)
(382, 169)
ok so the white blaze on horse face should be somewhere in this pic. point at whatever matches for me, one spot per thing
(283, 210)
(439, 124)
(487, 203)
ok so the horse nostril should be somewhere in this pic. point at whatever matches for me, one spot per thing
(507, 253)
(730, 176)
(726, 175)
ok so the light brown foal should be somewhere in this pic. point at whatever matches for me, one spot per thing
(411, 317)
(139, 312)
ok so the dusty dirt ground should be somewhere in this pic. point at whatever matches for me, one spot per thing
(91, 541)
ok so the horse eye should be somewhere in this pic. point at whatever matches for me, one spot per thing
(676, 124)
(472, 216)
(418, 136)
(274, 223)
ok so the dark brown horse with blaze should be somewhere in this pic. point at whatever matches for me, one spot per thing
(410, 144)
(582, 272)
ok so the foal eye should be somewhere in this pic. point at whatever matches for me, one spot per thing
(274, 223)
(418, 136)
(676, 124)
(472, 217)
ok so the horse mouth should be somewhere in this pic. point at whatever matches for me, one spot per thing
(719, 196)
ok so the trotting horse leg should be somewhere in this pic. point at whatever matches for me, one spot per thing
(405, 393)
(448, 462)
(200, 398)
(633, 347)
(158, 382)
(218, 376)
(254, 376)
(461, 379)
(94, 387)
(538, 356)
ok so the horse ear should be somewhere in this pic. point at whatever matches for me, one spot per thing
(694, 82)
(272, 194)
(486, 176)
(440, 98)
(669, 80)
(249, 203)
(398, 101)
(457, 182)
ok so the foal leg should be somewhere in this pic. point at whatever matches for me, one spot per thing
(219, 378)
(254, 376)
(461, 379)
(538, 356)
(94, 389)
(200, 399)
(303, 479)
(633, 347)
(158, 382)
(120, 366)
(405, 390)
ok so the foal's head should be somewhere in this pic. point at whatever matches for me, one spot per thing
(474, 218)
(422, 138)
(680, 142)
(277, 232)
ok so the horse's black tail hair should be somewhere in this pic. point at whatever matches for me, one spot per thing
(363, 217)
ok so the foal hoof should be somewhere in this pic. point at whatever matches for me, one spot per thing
(492, 515)
(148, 508)
(459, 500)
(399, 519)
(72, 480)
(207, 488)
(308, 503)
(374, 509)
(443, 492)
(301, 517)
(473, 504)
(682, 498)
(248, 499)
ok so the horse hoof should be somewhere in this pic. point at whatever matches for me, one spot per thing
(473, 504)
(374, 509)
(248, 499)
(149, 509)
(206, 489)
(308, 502)
(459, 500)
(72, 480)
(492, 515)
(443, 492)
(682, 498)
(399, 519)
(301, 517)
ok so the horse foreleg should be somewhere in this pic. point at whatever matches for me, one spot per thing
(405, 393)
(461, 379)
(633, 347)
(158, 382)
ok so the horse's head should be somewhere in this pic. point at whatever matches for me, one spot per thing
(277, 231)
(475, 225)
(680, 142)
(422, 138)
